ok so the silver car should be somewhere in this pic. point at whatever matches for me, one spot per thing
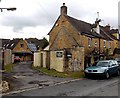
(104, 68)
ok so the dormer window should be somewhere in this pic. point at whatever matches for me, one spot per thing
(21, 45)
(7, 45)
(12, 44)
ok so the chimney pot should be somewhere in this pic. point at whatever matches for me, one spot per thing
(63, 4)
(63, 9)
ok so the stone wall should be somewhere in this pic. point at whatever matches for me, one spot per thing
(7, 57)
(76, 62)
(44, 54)
(61, 60)
(57, 60)
(36, 59)
(40, 59)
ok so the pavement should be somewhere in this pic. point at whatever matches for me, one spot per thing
(25, 78)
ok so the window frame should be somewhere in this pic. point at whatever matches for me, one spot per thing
(21, 45)
(89, 42)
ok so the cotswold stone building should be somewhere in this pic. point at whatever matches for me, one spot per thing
(75, 44)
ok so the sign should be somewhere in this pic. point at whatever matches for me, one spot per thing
(59, 54)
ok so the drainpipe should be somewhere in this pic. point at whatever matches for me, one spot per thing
(3, 59)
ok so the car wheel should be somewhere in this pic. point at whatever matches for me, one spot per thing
(107, 75)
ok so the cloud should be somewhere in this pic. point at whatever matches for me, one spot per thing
(34, 17)
(119, 15)
(24, 17)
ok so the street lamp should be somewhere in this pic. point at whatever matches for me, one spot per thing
(8, 9)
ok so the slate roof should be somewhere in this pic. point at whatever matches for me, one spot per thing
(32, 47)
(12, 43)
(38, 43)
(108, 33)
(9, 44)
(4, 42)
(114, 31)
(83, 27)
(86, 29)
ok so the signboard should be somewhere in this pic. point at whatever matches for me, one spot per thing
(59, 54)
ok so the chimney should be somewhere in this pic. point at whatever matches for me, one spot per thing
(108, 27)
(63, 9)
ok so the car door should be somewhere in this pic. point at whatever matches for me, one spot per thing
(111, 67)
(114, 67)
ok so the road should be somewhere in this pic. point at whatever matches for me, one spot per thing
(32, 80)
(85, 87)
(24, 77)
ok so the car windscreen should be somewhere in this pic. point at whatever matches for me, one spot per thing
(16, 56)
(102, 64)
(117, 59)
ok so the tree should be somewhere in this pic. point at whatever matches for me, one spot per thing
(45, 42)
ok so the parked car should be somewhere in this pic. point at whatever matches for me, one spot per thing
(118, 60)
(104, 68)
(16, 59)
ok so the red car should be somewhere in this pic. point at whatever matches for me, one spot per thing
(16, 59)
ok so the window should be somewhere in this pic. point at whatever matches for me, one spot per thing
(104, 43)
(95, 44)
(90, 42)
(21, 45)
(109, 44)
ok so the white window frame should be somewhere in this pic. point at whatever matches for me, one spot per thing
(104, 43)
(89, 42)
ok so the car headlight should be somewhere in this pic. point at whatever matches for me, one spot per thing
(86, 70)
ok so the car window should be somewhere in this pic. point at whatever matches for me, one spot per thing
(102, 64)
(116, 63)
(113, 62)
(118, 59)
(110, 63)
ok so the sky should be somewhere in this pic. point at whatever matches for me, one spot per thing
(35, 18)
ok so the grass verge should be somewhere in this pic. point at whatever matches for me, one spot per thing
(9, 67)
(55, 73)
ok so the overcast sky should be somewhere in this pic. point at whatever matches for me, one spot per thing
(35, 18)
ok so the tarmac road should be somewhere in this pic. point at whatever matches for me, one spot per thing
(24, 77)
(53, 86)
(85, 87)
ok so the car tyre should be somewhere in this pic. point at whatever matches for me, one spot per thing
(107, 75)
